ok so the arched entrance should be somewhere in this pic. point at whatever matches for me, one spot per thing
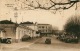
(25, 38)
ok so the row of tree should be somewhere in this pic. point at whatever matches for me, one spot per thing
(72, 26)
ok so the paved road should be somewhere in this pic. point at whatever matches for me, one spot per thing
(39, 45)
(15, 46)
(55, 46)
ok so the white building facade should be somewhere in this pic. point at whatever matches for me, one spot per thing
(45, 29)
(28, 31)
(34, 27)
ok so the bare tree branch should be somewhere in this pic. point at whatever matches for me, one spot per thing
(52, 1)
(69, 6)
(53, 4)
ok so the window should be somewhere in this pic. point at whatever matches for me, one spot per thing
(39, 27)
(46, 27)
(42, 26)
(39, 30)
(46, 30)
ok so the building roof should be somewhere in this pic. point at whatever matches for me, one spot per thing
(27, 22)
(43, 24)
(25, 27)
(6, 22)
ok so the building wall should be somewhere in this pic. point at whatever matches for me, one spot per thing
(45, 28)
(24, 30)
(33, 27)
(2, 34)
(9, 30)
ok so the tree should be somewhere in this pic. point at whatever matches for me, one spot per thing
(72, 25)
(52, 5)
(55, 30)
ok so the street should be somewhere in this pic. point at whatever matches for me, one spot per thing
(39, 45)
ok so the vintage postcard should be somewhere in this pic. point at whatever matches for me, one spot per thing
(39, 25)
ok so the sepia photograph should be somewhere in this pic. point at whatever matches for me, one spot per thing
(39, 25)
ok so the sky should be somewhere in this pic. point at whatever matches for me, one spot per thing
(41, 16)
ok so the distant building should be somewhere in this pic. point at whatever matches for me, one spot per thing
(45, 29)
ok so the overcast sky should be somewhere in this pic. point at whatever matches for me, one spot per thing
(40, 16)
